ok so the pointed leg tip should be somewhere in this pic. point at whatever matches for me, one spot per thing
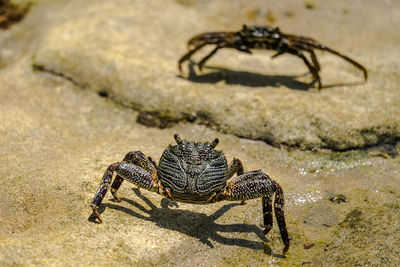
(266, 230)
(319, 85)
(180, 67)
(116, 197)
(96, 213)
(285, 249)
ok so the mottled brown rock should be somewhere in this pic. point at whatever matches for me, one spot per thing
(11, 13)
(56, 141)
(131, 54)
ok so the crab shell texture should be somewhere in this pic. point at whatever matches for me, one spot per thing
(193, 172)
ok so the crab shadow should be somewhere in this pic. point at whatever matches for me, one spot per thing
(251, 79)
(194, 224)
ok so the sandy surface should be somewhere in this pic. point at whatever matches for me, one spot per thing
(57, 138)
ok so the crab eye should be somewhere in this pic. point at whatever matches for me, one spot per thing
(215, 142)
(178, 139)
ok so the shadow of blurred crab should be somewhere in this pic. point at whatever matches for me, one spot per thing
(251, 79)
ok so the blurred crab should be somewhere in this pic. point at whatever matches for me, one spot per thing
(264, 37)
(194, 172)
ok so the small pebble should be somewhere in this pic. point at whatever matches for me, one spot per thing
(339, 198)
(309, 245)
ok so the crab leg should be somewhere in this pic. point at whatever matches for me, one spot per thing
(356, 64)
(313, 70)
(137, 158)
(221, 39)
(115, 186)
(188, 55)
(309, 43)
(128, 171)
(315, 60)
(103, 188)
(256, 184)
(235, 166)
(280, 217)
(201, 63)
(267, 214)
(312, 54)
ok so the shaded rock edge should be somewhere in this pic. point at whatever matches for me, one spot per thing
(379, 136)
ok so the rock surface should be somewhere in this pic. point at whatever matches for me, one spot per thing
(56, 141)
(128, 50)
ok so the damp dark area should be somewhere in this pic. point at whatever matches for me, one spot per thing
(151, 119)
(387, 146)
(103, 93)
(11, 13)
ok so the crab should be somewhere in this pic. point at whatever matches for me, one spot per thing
(264, 37)
(197, 173)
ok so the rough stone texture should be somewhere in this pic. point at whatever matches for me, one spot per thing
(56, 141)
(128, 50)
